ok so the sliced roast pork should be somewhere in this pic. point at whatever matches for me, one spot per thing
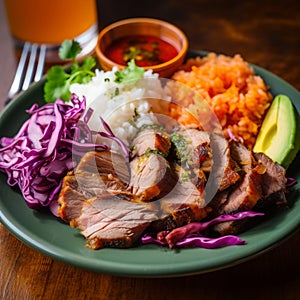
(241, 196)
(193, 154)
(224, 170)
(243, 193)
(206, 154)
(151, 138)
(113, 222)
(78, 187)
(274, 183)
(182, 205)
(70, 202)
(113, 202)
(262, 185)
(248, 191)
(192, 148)
(100, 174)
(151, 176)
(94, 198)
(105, 163)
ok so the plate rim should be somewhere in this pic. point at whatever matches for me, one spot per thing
(135, 271)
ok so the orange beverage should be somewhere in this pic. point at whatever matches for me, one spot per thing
(50, 21)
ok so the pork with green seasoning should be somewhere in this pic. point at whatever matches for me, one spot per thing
(172, 179)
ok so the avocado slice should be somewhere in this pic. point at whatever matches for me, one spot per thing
(279, 135)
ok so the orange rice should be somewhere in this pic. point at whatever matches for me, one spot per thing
(238, 97)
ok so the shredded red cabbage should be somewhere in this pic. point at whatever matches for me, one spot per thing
(233, 137)
(40, 154)
(191, 235)
(110, 135)
(291, 182)
(196, 240)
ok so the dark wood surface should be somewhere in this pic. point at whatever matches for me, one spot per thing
(264, 33)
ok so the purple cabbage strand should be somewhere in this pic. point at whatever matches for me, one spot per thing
(191, 235)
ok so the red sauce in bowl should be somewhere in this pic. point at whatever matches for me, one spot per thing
(146, 50)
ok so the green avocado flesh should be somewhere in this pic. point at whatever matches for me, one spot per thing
(279, 135)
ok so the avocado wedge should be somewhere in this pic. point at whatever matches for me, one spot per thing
(279, 135)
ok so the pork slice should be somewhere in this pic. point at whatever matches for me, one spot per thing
(245, 163)
(262, 188)
(224, 172)
(104, 163)
(248, 191)
(114, 222)
(151, 139)
(273, 184)
(193, 148)
(70, 198)
(96, 173)
(193, 153)
(93, 184)
(218, 201)
(151, 176)
(70, 204)
(182, 205)
(224, 168)
(89, 179)
(245, 195)
(242, 156)
(261, 185)
(79, 187)
(274, 179)
(235, 227)
(196, 137)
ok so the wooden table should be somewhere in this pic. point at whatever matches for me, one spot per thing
(264, 33)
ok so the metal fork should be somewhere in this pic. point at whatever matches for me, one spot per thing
(28, 64)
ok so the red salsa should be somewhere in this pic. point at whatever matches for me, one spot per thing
(146, 50)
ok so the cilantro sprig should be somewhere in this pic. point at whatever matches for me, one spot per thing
(130, 74)
(58, 81)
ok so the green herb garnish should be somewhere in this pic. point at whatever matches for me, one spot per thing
(181, 148)
(155, 151)
(130, 74)
(117, 91)
(69, 50)
(152, 126)
(185, 177)
(58, 81)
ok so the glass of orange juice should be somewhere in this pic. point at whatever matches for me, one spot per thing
(50, 22)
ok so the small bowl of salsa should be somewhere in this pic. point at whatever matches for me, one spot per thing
(152, 43)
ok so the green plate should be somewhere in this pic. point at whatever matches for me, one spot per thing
(50, 236)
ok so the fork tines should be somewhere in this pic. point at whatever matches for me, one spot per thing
(28, 65)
